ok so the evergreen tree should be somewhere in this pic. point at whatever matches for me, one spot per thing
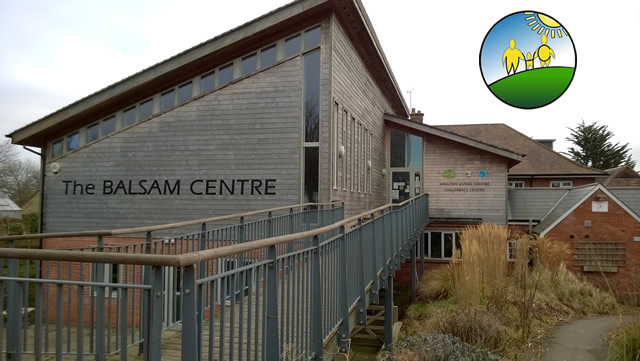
(593, 147)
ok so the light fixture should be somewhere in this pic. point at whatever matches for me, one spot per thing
(384, 172)
(55, 167)
(341, 152)
(369, 164)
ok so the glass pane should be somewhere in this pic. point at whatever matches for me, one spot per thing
(225, 74)
(206, 83)
(311, 38)
(398, 145)
(57, 149)
(249, 64)
(168, 100)
(108, 126)
(292, 46)
(448, 245)
(72, 141)
(436, 245)
(311, 163)
(417, 183)
(129, 116)
(185, 92)
(146, 109)
(415, 152)
(400, 187)
(267, 56)
(426, 244)
(312, 96)
(93, 132)
(458, 245)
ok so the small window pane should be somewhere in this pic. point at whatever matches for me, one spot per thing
(292, 46)
(249, 64)
(185, 92)
(312, 96)
(93, 132)
(398, 146)
(436, 245)
(168, 100)
(129, 116)
(72, 141)
(415, 152)
(57, 148)
(448, 245)
(311, 166)
(146, 109)
(207, 83)
(225, 74)
(458, 245)
(267, 56)
(108, 126)
(311, 38)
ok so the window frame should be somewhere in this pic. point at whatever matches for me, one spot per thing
(86, 132)
(454, 246)
(562, 184)
(512, 184)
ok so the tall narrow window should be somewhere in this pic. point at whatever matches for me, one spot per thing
(185, 92)
(358, 156)
(311, 121)
(292, 46)
(207, 83)
(345, 119)
(57, 148)
(365, 187)
(311, 166)
(168, 100)
(353, 152)
(73, 141)
(267, 56)
(146, 109)
(362, 158)
(334, 135)
(129, 116)
(370, 160)
(225, 74)
(249, 64)
(414, 152)
(93, 132)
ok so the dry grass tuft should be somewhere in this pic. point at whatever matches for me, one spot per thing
(438, 285)
(625, 344)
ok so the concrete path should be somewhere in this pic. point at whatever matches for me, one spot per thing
(581, 340)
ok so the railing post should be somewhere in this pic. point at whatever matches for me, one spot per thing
(388, 313)
(385, 247)
(202, 273)
(191, 304)
(272, 339)
(422, 251)
(413, 273)
(362, 300)
(100, 304)
(375, 286)
(344, 331)
(14, 314)
(291, 230)
(146, 280)
(155, 315)
(317, 347)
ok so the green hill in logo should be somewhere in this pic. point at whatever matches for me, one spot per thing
(533, 88)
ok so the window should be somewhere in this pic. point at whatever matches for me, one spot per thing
(267, 56)
(207, 83)
(73, 141)
(129, 116)
(370, 160)
(441, 245)
(249, 64)
(292, 46)
(561, 184)
(516, 184)
(57, 148)
(168, 100)
(311, 167)
(112, 274)
(93, 132)
(406, 150)
(345, 119)
(185, 92)
(108, 126)
(146, 109)
(312, 38)
(311, 123)
(353, 152)
(334, 139)
(225, 74)
(512, 250)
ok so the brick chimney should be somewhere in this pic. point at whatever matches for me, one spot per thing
(416, 116)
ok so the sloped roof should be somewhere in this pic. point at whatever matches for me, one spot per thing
(539, 159)
(533, 203)
(623, 176)
(204, 55)
(630, 197)
(8, 209)
(571, 199)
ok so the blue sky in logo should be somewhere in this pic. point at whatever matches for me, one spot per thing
(516, 27)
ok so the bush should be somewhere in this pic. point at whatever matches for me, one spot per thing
(31, 222)
(435, 347)
(437, 285)
(625, 345)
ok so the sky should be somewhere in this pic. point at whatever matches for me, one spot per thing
(56, 52)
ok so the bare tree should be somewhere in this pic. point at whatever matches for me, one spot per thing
(19, 179)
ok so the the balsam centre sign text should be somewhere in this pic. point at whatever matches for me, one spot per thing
(199, 187)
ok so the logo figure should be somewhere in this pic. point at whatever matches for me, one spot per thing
(527, 84)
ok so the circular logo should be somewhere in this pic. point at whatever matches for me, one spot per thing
(482, 174)
(528, 59)
(449, 173)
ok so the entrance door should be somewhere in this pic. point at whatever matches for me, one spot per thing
(405, 184)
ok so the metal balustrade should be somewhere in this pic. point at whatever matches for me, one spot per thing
(285, 283)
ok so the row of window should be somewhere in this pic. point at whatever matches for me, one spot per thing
(352, 140)
(552, 184)
(174, 96)
(444, 245)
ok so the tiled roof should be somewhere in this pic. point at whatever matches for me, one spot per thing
(8, 209)
(533, 203)
(570, 199)
(630, 197)
(539, 159)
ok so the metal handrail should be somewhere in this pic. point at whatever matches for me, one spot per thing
(186, 259)
(159, 227)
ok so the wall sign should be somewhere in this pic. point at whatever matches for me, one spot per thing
(466, 186)
(199, 187)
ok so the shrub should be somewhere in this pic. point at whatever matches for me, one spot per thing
(439, 284)
(625, 345)
(435, 347)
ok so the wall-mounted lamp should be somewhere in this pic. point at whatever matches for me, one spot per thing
(384, 172)
(55, 167)
(341, 152)
(369, 164)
